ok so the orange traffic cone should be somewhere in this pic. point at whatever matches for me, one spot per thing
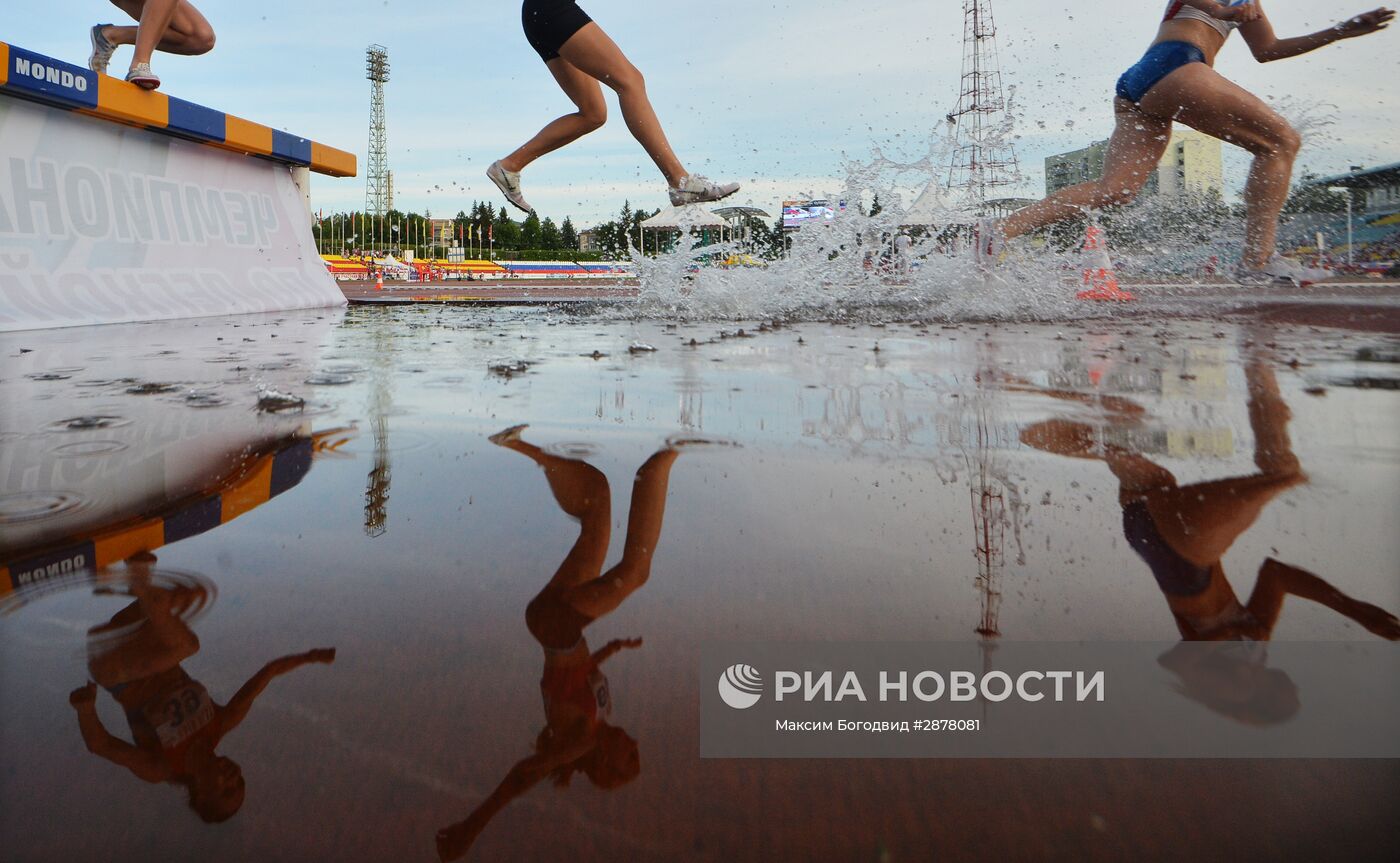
(379, 281)
(1100, 282)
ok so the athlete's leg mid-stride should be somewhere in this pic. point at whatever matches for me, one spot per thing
(1176, 81)
(172, 26)
(580, 56)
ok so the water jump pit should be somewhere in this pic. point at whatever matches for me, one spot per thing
(371, 480)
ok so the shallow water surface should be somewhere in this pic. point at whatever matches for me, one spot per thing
(464, 504)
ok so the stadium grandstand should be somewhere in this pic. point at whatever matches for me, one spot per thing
(1374, 226)
(365, 267)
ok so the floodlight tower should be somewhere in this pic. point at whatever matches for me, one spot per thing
(377, 178)
(982, 162)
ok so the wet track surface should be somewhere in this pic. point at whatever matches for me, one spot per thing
(252, 489)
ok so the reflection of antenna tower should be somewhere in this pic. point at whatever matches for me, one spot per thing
(377, 180)
(981, 161)
(989, 531)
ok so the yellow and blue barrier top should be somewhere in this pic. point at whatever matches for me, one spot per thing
(256, 483)
(32, 76)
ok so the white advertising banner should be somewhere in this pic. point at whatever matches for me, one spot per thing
(102, 223)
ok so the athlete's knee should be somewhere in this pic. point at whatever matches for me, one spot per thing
(594, 116)
(202, 41)
(634, 570)
(627, 79)
(1289, 141)
(1278, 140)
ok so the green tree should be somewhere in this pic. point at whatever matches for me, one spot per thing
(568, 236)
(1309, 197)
(549, 235)
(507, 231)
(531, 232)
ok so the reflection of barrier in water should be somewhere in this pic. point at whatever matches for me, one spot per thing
(118, 204)
(260, 478)
(106, 452)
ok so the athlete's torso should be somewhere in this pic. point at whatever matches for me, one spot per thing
(1177, 10)
(1183, 23)
(170, 716)
(575, 692)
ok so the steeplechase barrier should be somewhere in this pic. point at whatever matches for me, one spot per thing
(119, 205)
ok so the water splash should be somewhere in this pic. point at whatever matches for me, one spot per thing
(847, 268)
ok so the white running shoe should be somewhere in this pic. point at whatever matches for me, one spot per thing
(1278, 272)
(695, 189)
(988, 243)
(102, 50)
(509, 184)
(142, 76)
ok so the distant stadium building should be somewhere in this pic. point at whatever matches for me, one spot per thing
(1381, 186)
(1077, 166)
(1192, 164)
(442, 231)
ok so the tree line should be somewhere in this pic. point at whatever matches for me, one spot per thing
(485, 229)
(481, 230)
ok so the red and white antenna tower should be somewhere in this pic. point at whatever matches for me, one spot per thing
(982, 161)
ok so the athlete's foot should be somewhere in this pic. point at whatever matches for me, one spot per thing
(695, 189)
(102, 50)
(142, 76)
(509, 184)
(1279, 272)
(509, 436)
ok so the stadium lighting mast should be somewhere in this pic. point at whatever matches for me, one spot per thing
(982, 160)
(378, 188)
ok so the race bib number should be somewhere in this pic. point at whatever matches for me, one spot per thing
(601, 695)
(180, 713)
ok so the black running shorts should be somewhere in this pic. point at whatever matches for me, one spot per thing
(551, 23)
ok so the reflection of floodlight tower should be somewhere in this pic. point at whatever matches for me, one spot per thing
(379, 480)
(377, 181)
(981, 161)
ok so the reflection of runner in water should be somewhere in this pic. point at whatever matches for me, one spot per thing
(1182, 532)
(577, 736)
(175, 724)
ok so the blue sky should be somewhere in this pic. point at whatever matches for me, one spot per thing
(773, 93)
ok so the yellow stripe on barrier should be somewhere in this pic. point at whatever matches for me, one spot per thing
(333, 162)
(125, 103)
(118, 545)
(252, 491)
(119, 100)
(243, 136)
